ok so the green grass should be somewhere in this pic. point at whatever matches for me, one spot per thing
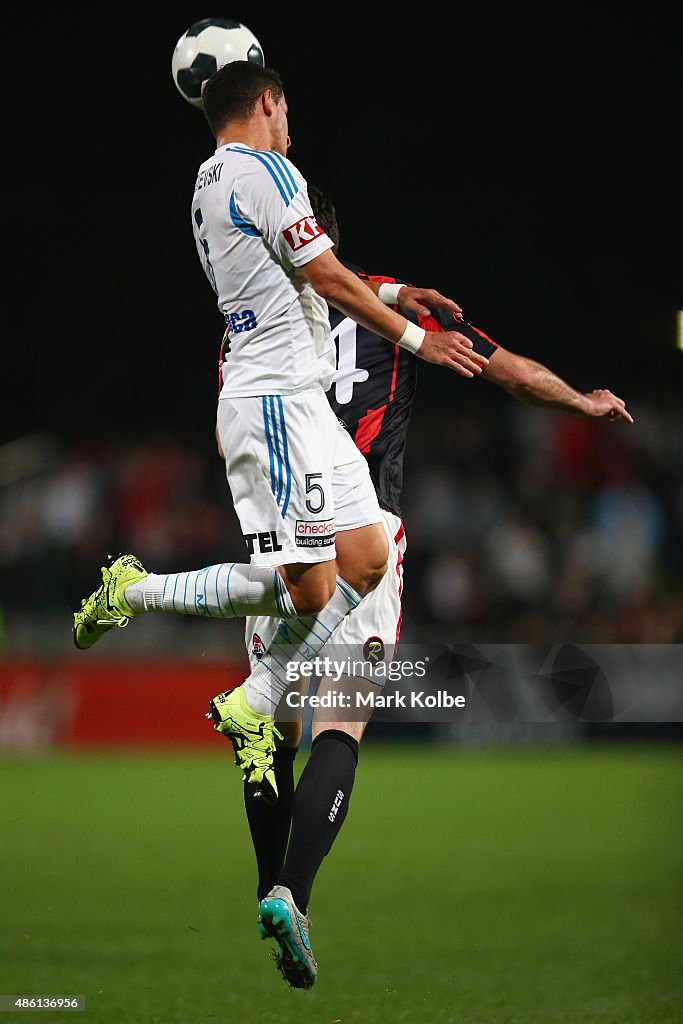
(477, 888)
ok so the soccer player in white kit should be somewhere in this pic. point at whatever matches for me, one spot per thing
(301, 489)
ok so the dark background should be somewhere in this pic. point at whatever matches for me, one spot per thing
(525, 162)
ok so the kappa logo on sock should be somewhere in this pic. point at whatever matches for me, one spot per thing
(257, 647)
(336, 805)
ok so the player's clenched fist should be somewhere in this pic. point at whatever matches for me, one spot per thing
(448, 348)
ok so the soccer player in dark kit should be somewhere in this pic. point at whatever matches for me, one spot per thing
(372, 395)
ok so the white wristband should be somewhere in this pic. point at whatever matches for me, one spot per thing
(388, 293)
(412, 337)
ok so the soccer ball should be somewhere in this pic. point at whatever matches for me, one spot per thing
(207, 46)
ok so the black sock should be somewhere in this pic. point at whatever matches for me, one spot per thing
(321, 802)
(269, 826)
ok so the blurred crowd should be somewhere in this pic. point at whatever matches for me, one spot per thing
(523, 525)
(531, 526)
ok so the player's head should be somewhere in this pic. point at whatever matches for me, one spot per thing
(325, 213)
(241, 91)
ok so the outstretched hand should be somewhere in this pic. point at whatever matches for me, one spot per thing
(448, 348)
(423, 300)
(603, 403)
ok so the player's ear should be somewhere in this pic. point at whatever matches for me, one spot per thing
(267, 103)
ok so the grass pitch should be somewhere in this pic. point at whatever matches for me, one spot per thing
(475, 888)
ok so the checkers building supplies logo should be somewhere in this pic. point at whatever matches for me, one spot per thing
(319, 534)
(304, 231)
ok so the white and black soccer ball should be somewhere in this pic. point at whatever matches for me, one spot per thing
(207, 46)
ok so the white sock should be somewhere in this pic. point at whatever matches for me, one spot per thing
(295, 640)
(227, 590)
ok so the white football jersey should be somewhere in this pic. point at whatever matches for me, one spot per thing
(253, 226)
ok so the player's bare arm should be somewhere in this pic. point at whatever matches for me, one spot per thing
(535, 384)
(345, 291)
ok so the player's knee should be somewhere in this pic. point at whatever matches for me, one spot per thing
(321, 724)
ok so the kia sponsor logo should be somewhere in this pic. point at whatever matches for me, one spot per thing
(318, 533)
(302, 232)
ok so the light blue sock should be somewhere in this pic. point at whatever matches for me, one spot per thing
(295, 640)
(226, 591)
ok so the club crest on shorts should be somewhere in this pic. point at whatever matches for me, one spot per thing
(373, 649)
(257, 647)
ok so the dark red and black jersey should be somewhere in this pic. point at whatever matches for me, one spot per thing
(374, 389)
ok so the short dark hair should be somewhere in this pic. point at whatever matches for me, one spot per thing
(325, 213)
(232, 92)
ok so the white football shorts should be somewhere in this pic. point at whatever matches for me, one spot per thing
(369, 631)
(295, 475)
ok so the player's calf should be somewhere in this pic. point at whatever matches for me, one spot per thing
(310, 585)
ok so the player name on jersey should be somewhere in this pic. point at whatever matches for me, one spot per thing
(208, 176)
